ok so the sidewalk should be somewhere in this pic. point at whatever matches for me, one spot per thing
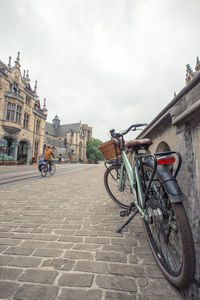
(58, 241)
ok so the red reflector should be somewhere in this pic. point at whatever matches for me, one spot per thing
(166, 160)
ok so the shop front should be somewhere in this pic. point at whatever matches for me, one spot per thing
(13, 151)
(7, 149)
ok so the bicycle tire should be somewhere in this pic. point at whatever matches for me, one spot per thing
(43, 170)
(175, 254)
(53, 169)
(122, 197)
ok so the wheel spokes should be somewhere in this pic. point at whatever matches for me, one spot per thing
(166, 240)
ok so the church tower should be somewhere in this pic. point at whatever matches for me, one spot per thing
(56, 122)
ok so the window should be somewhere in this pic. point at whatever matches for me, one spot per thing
(18, 114)
(28, 100)
(13, 112)
(36, 149)
(15, 87)
(26, 119)
(8, 112)
(38, 126)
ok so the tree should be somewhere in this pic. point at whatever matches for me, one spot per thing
(92, 152)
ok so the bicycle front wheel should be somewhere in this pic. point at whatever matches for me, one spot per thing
(121, 194)
(169, 234)
(53, 169)
(43, 170)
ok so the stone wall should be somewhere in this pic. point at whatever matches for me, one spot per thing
(178, 126)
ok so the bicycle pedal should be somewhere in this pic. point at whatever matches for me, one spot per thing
(124, 213)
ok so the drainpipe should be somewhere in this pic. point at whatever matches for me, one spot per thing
(33, 136)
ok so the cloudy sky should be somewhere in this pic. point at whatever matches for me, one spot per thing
(108, 63)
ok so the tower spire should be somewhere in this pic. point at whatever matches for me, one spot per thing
(44, 105)
(44, 109)
(17, 64)
(9, 62)
(35, 88)
(197, 64)
(27, 76)
(189, 74)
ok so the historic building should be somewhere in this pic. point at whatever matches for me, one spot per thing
(68, 140)
(22, 120)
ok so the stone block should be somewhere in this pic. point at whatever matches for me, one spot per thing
(70, 254)
(92, 267)
(7, 289)
(38, 276)
(111, 257)
(4, 260)
(119, 296)
(59, 264)
(48, 252)
(23, 261)
(128, 270)
(19, 251)
(33, 292)
(119, 283)
(76, 280)
(80, 294)
(9, 273)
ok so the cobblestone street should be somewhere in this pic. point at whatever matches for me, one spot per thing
(58, 241)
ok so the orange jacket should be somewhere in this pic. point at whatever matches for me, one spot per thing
(48, 153)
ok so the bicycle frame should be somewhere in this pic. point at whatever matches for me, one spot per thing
(134, 175)
(134, 182)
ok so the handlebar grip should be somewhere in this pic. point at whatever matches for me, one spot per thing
(112, 132)
(114, 135)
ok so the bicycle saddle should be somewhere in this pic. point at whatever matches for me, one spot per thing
(142, 142)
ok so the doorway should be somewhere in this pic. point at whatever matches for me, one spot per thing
(22, 152)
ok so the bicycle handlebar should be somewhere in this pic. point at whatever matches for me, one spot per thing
(134, 126)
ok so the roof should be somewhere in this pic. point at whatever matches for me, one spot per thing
(62, 129)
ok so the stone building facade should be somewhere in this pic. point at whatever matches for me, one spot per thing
(22, 120)
(68, 140)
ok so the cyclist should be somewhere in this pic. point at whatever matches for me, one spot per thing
(48, 152)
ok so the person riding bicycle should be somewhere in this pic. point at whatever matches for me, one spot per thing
(48, 152)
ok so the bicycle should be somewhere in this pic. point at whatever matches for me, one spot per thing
(44, 168)
(150, 189)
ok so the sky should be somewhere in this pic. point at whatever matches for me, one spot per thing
(106, 63)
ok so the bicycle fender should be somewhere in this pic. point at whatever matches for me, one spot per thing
(169, 182)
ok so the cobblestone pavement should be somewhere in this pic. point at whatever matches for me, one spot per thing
(58, 241)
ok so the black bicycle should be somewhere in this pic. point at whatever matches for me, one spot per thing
(44, 168)
(150, 188)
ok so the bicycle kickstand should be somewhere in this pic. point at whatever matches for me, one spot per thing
(128, 221)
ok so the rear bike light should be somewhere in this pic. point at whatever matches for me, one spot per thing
(166, 160)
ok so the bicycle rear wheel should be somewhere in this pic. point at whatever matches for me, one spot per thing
(169, 234)
(43, 170)
(53, 169)
(121, 195)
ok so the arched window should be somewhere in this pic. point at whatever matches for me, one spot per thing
(162, 147)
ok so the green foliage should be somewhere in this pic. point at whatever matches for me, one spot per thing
(92, 152)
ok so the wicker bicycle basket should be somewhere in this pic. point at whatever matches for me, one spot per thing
(110, 149)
